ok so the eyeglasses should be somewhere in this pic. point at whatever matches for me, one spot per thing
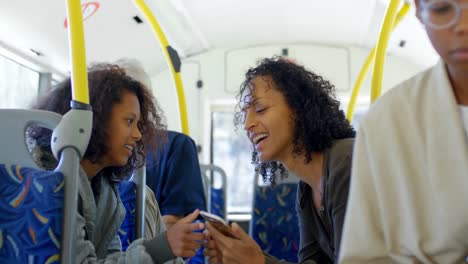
(441, 14)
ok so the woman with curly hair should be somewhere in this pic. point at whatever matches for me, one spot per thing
(127, 123)
(294, 122)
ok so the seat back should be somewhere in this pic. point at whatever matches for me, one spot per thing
(216, 198)
(31, 216)
(37, 208)
(127, 190)
(274, 224)
(14, 123)
(206, 187)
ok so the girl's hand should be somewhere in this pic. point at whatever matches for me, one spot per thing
(182, 240)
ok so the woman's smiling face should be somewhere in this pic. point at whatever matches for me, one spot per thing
(268, 120)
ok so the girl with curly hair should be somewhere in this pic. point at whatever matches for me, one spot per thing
(294, 121)
(127, 123)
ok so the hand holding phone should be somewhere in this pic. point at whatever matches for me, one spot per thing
(218, 223)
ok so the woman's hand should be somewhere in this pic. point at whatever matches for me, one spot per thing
(182, 240)
(210, 250)
(227, 250)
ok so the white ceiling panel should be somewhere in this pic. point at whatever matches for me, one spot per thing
(232, 23)
(24, 27)
(196, 26)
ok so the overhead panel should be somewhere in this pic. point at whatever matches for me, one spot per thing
(328, 61)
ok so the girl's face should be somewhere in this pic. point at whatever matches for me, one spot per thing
(123, 131)
(268, 120)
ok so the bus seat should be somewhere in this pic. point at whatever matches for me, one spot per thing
(30, 214)
(14, 123)
(34, 206)
(206, 188)
(216, 198)
(274, 224)
(127, 190)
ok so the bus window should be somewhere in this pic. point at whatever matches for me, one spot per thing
(18, 84)
(232, 151)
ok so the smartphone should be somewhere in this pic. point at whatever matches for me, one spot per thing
(218, 223)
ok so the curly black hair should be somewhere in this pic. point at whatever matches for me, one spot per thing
(107, 83)
(317, 118)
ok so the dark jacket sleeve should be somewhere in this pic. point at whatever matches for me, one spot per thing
(184, 188)
(340, 174)
(158, 248)
(309, 247)
(175, 178)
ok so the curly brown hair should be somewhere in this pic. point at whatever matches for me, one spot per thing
(107, 83)
(317, 117)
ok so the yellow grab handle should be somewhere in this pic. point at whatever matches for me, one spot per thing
(79, 76)
(401, 14)
(172, 59)
(365, 68)
(382, 44)
(358, 84)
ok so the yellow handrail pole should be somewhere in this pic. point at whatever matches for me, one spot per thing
(172, 59)
(382, 44)
(358, 84)
(365, 68)
(79, 76)
(72, 134)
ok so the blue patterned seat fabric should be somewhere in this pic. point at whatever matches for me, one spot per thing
(274, 223)
(31, 203)
(217, 202)
(127, 190)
